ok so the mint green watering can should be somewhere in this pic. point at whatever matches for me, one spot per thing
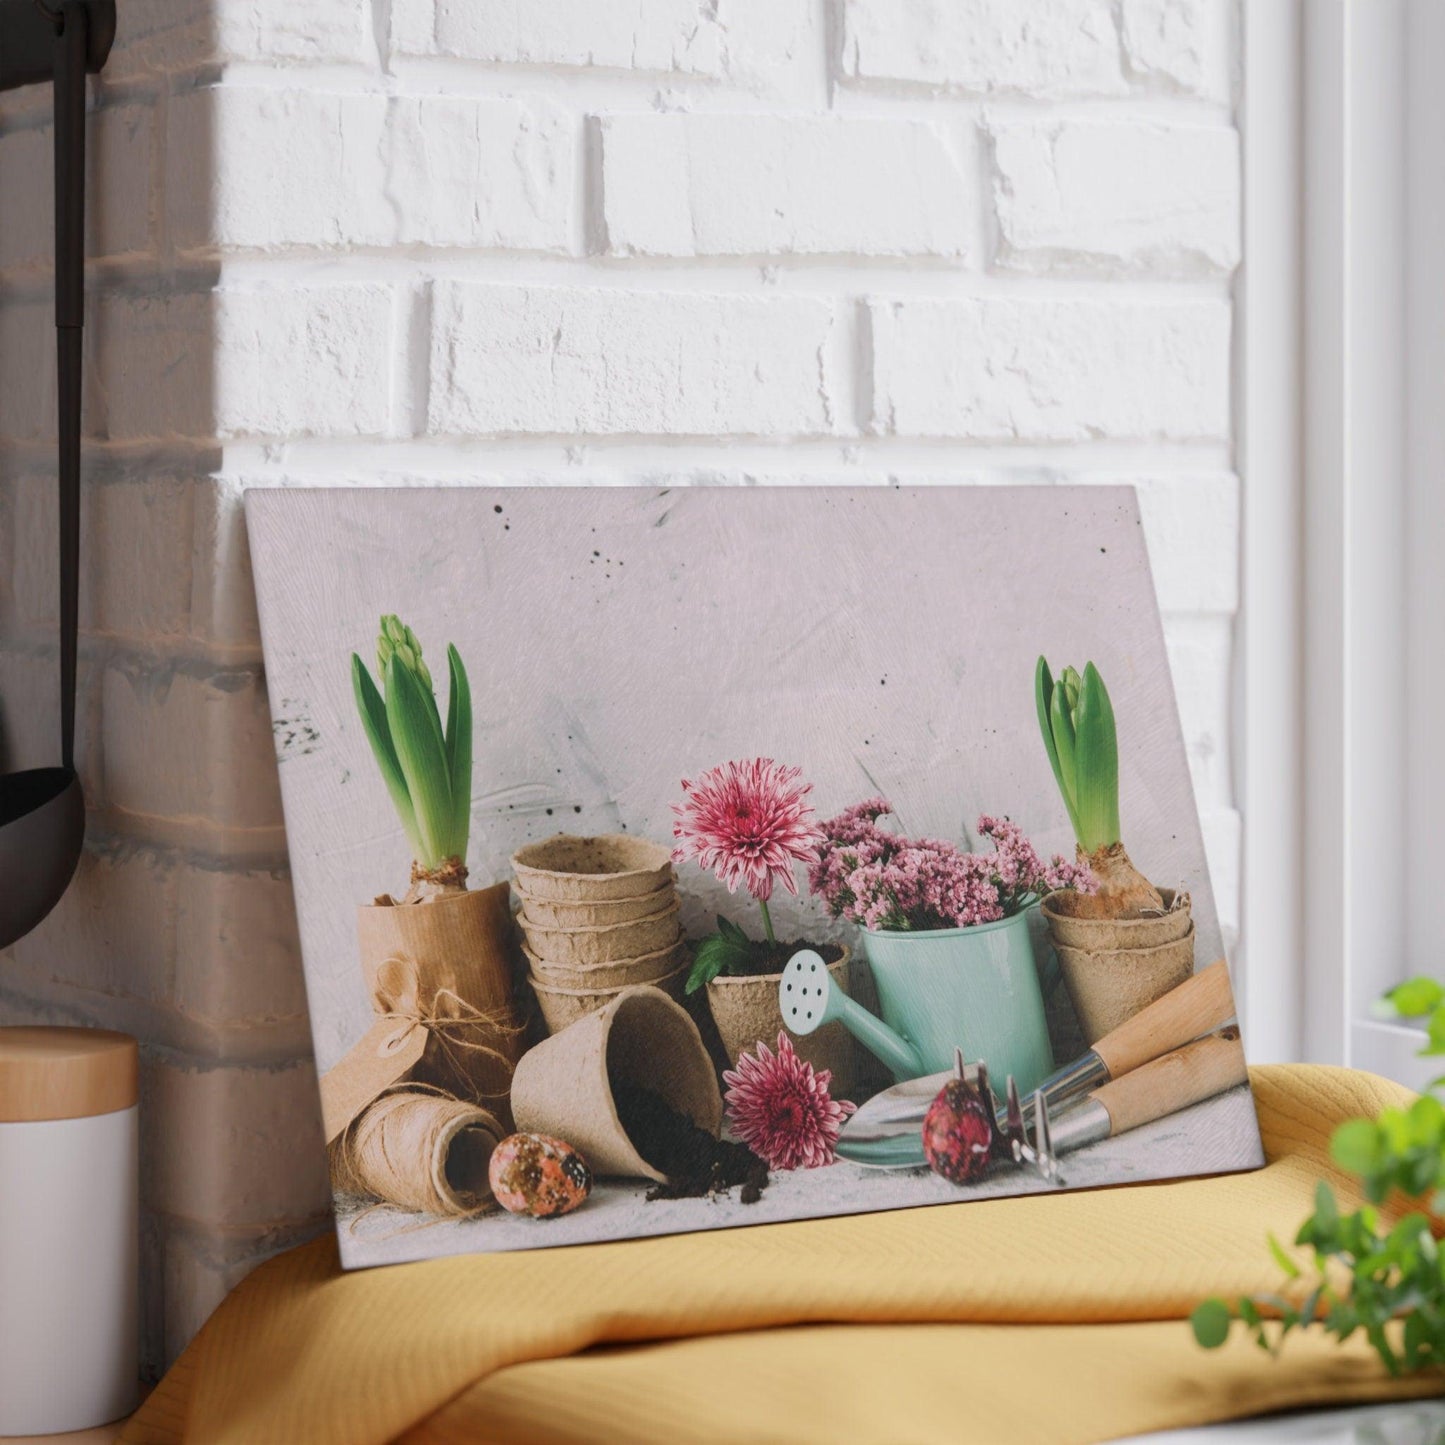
(975, 989)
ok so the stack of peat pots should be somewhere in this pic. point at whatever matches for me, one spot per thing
(1116, 966)
(598, 916)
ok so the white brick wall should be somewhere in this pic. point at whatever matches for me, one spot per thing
(703, 241)
(763, 185)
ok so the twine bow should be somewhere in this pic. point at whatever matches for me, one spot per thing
(447, 1017)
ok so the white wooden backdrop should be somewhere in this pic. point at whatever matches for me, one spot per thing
(619, 639)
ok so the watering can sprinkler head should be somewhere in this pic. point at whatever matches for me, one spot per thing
(809, 998)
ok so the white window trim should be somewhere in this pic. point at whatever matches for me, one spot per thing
(1268, 975)
(1333, 248)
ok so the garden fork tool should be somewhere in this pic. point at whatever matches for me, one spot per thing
(1164, 1086)
(1010, 1137)
(1197, 1006)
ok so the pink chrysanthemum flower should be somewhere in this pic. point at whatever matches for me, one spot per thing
(749, 822)
(780, 1108)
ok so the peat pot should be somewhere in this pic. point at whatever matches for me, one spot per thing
(746, 1011)
(565, 1086)
(1115, 967)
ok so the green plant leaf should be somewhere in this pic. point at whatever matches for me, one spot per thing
(459, 753)
(378, 733)
(727, 951)
(1415, 997)
(1096, 764)
(1211, 1320)
(1045, 693)
(705, 968)
(1043, 701)
(1282, 1258)
(1355, 1146)
(1063, 726)
(420, 749)
(718, 953)
(732, 932)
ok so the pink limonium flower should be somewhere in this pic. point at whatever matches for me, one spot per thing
(749, 822)
(779, 1106)
(884, 881)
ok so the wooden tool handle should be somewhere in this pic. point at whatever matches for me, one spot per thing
(1198, 1071)
(1198, 1005)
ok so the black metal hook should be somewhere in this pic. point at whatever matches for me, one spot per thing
(30, 30)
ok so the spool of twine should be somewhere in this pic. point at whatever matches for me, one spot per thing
(419, 1149)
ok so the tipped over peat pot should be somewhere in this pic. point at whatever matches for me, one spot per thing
(568, 1085)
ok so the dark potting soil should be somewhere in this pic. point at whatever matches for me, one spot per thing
(695, 1162)
(773, 957)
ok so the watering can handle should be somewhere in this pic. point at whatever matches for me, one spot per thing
(1198, 1005)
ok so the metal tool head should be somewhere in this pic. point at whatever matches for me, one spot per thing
(1015, 1111)
(1014, 1142)
(1047, 1161)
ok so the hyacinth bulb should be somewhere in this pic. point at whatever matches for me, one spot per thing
(958, 1133)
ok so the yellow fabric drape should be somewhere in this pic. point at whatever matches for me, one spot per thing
(1051, 1319)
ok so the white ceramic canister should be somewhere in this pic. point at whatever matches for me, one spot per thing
(69, 1228)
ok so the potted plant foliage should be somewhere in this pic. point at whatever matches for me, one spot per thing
(750, 823)
(1127, 942)
(947, 938)
(442, 952)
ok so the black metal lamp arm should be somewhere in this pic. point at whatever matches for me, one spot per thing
(42, 810)
(28, 31)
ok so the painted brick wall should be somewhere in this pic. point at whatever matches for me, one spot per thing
(351, 242)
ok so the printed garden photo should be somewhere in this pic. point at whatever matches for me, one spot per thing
(681, 859)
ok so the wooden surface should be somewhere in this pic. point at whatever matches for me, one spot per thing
(1198, 1005)
(60, 1073)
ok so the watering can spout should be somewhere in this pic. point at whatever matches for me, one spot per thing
(809, 999)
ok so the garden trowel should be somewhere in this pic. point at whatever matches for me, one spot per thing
(1197, 1006)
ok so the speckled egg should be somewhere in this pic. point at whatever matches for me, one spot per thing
(958, 1133)
(538, 1175)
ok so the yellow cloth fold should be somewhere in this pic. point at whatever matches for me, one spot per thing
(1051, 1319)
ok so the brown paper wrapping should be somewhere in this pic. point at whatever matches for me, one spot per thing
(440, 978)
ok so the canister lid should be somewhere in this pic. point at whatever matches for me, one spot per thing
(56, 1073)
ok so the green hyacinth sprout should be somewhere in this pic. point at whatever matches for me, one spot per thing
(427, 769)
(1077, 722)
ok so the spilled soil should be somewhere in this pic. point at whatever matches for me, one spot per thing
(696, 1164)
